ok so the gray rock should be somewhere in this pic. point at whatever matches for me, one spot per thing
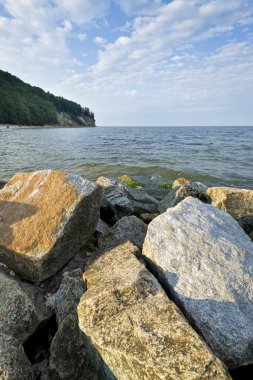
(67, 351)
(174, 196)
(116, 203)
(142, 201)
(205, 261)
(128, 228)
(14, 365)
(22, 307)
(179, 193)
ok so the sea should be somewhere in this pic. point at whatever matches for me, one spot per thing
(154, 156)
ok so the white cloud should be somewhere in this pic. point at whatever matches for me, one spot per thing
(100, 40)
(82, 36)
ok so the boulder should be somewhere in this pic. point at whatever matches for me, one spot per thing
(22, 307)
(135, 328)
(128, 228)
(179, 193)
(14, 365)
(237, 202)
(142, 201)
(204, 260)
(122, 200)
(173, 197)
(67, 351)
(45, 217)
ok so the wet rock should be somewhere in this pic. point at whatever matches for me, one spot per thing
(22, 307)
(237, 202)
(204, 260)
(135, 328)
(46, 217)
(142, 201)
(147, 218)
(173, 197)
(179, 193)
(67, 351)
(14, 364)
(128, 228)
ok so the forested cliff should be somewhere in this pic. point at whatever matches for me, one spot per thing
(23, 104)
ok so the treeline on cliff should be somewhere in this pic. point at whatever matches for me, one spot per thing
(23, 104)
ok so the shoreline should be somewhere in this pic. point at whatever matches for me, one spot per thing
(16, 126)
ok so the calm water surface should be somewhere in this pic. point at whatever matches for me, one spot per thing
(215, 156)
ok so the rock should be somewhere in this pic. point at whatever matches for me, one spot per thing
(2, 184)
(180, 182)
(178, 194)
(174, 196)
(46, 217)
(128, 228)
(237, 202)
(147, 218)
(22, 307)
(142, 201)
(204, 260)
(67, 351)
(122, 200)
(14, 364)
(129, 181)
(135, 328)
(102, 228)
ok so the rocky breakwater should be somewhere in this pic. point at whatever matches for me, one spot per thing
(103, 307)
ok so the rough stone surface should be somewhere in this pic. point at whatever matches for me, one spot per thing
(45, 217)
(14, 364)
(137, 330)
(205, 261)
(237, 202)
(174, 196)
(67, 351)
(128, 228)
(179, 193)
(116, 203)
(22, 307)
(142, 201)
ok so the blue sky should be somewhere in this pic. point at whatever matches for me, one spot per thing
(137, 62)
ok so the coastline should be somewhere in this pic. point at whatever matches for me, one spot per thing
(12, 126)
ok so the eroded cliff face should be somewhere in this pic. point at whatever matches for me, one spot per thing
(65, 120)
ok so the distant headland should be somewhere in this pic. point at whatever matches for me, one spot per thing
(24, 105)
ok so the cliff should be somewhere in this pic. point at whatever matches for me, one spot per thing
(23, 104)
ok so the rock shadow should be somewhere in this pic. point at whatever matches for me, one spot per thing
(201, 313)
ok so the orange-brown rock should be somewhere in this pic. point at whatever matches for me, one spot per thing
(139, 333)
(45, 217)
(237, 202)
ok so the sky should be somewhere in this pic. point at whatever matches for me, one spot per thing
(136, 62)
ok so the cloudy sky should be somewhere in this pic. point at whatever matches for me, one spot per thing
(136, 62)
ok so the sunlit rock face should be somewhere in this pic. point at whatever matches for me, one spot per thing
(205, 261)
(135, 328)
(45, 217)
(237, 202)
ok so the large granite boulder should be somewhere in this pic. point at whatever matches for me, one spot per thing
(205, 261)
(67, 351)
(22, 307)
(14, 364)
(45, 217)
(237, 202)
(142, 201)
(128, 228)
(138, 332)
